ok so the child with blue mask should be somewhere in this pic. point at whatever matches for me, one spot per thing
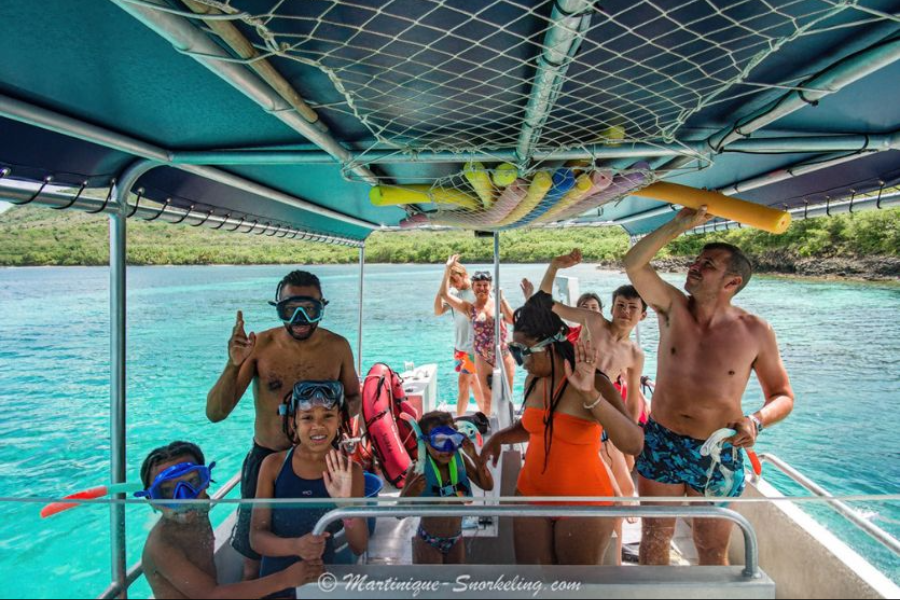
(178, 555)
(448, 467)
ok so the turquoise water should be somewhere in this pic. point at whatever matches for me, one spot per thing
(841, 345)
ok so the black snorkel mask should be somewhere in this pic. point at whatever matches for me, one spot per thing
(519, 352)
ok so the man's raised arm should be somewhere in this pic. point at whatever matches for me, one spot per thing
(656, 292)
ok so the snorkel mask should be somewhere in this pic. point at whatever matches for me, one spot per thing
(466, 429)
(519, 352)
(189, 488)
(446, 439)
(731, 480)
(310, 394)
(299, 311)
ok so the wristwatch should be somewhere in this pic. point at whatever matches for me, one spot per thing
(758, 422)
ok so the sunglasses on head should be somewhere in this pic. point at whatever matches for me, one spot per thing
(482, 276)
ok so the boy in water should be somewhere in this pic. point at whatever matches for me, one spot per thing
(178, 555)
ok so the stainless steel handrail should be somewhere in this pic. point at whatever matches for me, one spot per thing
(843, 508)
(751, 546)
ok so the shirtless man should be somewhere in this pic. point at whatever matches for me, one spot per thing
(707, 350)
(274, 361)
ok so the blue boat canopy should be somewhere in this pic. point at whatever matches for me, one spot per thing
(288, 113)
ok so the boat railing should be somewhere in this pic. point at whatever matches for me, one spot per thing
(117, 589)
(751, 546)
(841, 507)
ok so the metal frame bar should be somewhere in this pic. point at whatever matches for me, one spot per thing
(118, 389)
(59, 123)
(186, 38)
(501, 395)
(841, 507)
(498, 375)
(751, 545)
(118, 385)
(36, 116)
(792, 171)
(830, 80)
(569, 22)
(833, 79)
(635, 150)
(359, 339)
(251, 187)
(647, 214)
(59, 195)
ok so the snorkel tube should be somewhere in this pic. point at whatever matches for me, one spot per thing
(421, 450)
(90, 494)
(471, 431)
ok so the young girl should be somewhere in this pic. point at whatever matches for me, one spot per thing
(452, 464)
(567, 407)
(314, 417)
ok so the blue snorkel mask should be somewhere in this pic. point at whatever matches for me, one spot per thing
(731, 480)
(167, 487)
(307, 395)
(300, 310)
(446, 439)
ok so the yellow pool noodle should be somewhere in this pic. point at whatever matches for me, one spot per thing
(540, 185)
(478, 178)
(583, 185)
(580, 165)
(613, 135)
(396, 195)
(505, 174)
(720, 205)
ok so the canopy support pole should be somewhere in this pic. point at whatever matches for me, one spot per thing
(359, 339)
(117, 362)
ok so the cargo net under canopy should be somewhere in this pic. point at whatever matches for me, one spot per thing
(529, 76)
(494, 199)
(522, 82)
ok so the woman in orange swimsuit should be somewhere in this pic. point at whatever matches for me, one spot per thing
(567, 407)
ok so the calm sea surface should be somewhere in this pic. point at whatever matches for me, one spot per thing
(841, 345)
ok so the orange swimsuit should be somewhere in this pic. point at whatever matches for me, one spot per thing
(574, 466)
